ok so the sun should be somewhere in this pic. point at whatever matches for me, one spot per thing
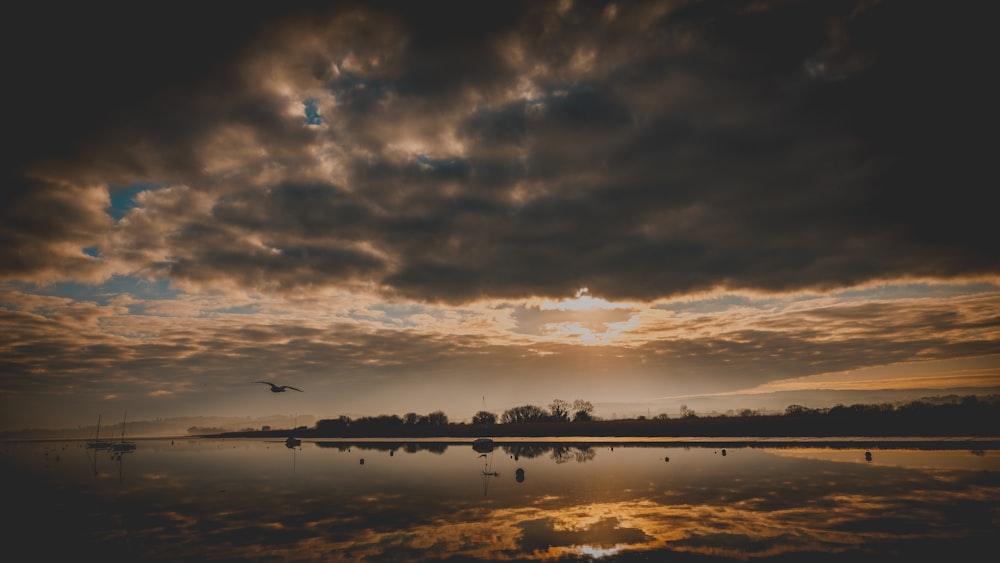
(587, 320)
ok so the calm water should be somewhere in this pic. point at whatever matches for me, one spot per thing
(258, 500)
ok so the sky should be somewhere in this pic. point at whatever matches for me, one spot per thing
(417, 206)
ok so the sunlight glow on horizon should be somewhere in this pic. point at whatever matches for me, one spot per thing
(982, 373)
(582, 301)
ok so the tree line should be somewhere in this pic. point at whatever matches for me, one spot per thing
(970, 415)
(558, 411)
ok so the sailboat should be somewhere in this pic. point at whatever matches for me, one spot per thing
(292, 441)
(122, 445)
(97, 443)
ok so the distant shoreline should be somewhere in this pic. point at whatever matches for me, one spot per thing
(967, 443)
(959, 443)
(763, 430)
(416, 443)
(968, 418)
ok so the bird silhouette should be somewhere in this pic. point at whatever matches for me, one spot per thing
(279, 388)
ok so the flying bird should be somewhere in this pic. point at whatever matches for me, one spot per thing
(279, 388)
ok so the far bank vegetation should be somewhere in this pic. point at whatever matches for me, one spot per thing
(952, 416)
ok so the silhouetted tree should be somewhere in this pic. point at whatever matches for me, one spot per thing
(437, 418)
(484, 417)
(794, 410)
(837, 410)
(382, 422)
(523, 414)
(583, 411)
(333, 426)
(970, 402)
(559, 410)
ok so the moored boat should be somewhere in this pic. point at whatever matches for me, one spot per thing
(97, 443)
(121, 444)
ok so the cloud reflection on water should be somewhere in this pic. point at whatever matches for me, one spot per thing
(247, 501)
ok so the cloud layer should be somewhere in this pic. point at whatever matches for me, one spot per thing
(641, 151)
(415, 192)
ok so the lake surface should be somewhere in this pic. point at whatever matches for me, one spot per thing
(257, 500)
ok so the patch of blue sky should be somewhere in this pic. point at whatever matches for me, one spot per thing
(123, 198)
(397, 315)
(237, 310)
(312, 115)
(140, 287)
(103, 293)
(136, 308)
(92, 251)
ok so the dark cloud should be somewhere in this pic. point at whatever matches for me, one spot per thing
(45, 228)
(76, 68)
(641, 150)
(303, 210)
